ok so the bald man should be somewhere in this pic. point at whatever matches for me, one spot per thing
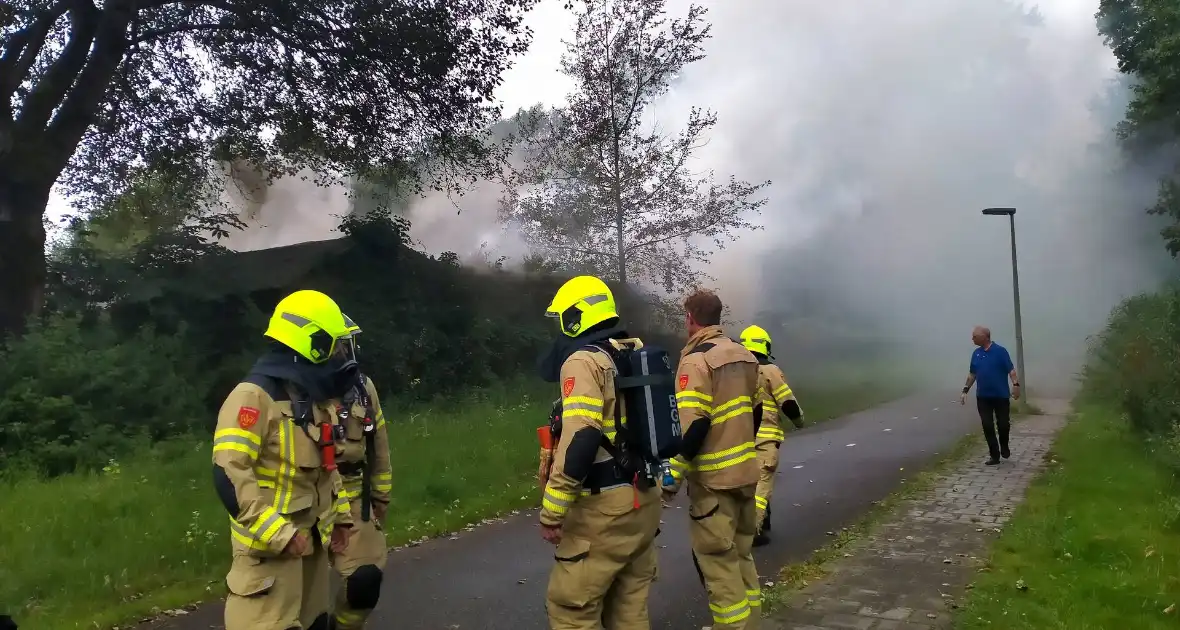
(991, 367)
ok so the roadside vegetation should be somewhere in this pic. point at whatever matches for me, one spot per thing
(1097, 542)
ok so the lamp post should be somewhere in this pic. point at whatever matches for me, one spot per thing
(1011, 212)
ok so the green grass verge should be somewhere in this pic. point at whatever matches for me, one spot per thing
(1096, 543)
(90, 551)
(796, 576)
(94, 550)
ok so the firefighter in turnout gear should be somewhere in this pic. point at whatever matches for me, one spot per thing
(601, 512)
(716, 388)
(274, 469)
(774, 395)
(362, 457)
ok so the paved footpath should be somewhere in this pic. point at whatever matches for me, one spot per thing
(909, 571)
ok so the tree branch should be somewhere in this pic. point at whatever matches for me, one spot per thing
(681, 234)
(588, 252)
(149, 36)
(52, 88)
(81, 103)
(21, 52)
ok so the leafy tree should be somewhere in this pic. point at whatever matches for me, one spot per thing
(136, 247)
(601, 189)
(93, 94)
(1145, 38)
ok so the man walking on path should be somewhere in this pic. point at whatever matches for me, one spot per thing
(991, 367)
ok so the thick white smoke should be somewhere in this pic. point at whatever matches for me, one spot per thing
(887, 127)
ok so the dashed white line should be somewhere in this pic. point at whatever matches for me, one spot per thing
(798, 467)
(853, 444)
(887, 430)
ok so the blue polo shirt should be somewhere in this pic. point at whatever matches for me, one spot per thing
(991, 368)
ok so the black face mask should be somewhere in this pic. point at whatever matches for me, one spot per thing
(549, 365)
(322, 381)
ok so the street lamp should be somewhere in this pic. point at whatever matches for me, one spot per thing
(1011, 212)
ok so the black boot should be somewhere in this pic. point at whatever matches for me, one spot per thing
(992, 461)
(761, 538)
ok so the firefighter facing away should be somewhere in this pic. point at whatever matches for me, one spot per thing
(362, 454)
(274, 469)
(716, 387)
(600, 504)
(774, 395)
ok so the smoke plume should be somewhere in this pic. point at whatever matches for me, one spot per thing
(887, 127)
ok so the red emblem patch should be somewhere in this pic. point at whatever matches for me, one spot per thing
(683, 381)
(247, 416)
(567, 387)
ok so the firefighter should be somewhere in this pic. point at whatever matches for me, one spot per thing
(716, 387)
(602, 517)
(274, 469)
(774, 395)
(363, 461)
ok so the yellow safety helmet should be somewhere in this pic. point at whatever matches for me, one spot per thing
(580, 303)
(756, 339)
(311, 324)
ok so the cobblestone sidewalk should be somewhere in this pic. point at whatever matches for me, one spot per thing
(909, 571)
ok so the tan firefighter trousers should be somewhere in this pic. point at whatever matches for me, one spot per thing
(277, 593)
(360, 566)
(606, 562)
(767, 467)
(722, 525)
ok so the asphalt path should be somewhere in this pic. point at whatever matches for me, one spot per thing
(494, 577)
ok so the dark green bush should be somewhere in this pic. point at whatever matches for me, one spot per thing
(1135, 361)
(74, 395)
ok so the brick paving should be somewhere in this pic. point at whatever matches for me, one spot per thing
(909, 571)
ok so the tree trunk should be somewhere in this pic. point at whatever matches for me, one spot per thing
(618, 191)
(22, 252)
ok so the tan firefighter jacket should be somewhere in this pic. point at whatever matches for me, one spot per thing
(773, 392)
(350, 452)
(277, 471)
(717, 383)
(587, 400)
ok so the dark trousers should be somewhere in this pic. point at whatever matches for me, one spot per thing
(995, 413)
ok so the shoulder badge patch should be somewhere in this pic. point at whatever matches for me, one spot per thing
(567, 387)
(247, 417)
(683, 381)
